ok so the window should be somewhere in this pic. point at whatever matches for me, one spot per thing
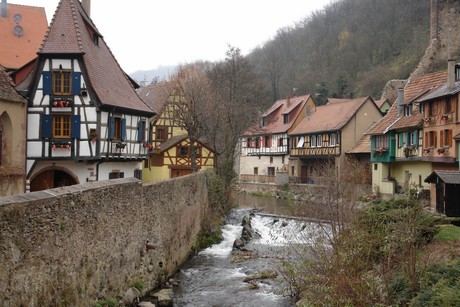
(313, 141)
(256, 170)
(264, 121)
(62, 82)
(292, 170)
(413, 138)
(271, 171)
(280, 142)
(300, 143)
(160, 134)
(448, 106)
(138, 174)
(422, 108)
(117, 128)
(285, 118)
(376, 166)
(257, 142)
(282, 159)
(248, 142)
(271, 160)
(430, 137)
(381, 141)
(401, 139)
(267, 141)
(408, 110)
(445, 138)
(61, 126)
(116, 174)
(319, 141)
(332, 140)
(182, 151)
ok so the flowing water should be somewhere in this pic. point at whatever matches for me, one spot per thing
(211, 278)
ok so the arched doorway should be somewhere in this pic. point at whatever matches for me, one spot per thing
(51, 178)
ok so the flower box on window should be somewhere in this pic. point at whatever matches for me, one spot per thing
(427, 120)
(426, 151)
(441, 151)
(57, 144)
(92, 135)
(61, 102)
(148, 146)
(120, 145)
(408, 151)
(444, 117)
(379, 150)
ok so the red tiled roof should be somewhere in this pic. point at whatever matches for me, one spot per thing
(330, 117)
(276, 112)
(15, 51)
(70, 33)
(7, 91)
(379, 103)
(414, 90)
(418, 87)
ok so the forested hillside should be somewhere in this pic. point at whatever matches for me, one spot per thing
(349, 49)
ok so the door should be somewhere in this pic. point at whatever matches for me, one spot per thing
(51, 179)
(440, 197)
(304, 174)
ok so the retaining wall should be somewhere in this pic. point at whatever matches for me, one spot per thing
(74, 245)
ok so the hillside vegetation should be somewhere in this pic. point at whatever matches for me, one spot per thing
(349, 49)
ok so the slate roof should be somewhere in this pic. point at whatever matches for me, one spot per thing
(415, 90)
(450, 177)
(275, 115)
(15, 51)
(69, 33)
(330, 117)
(7, 91)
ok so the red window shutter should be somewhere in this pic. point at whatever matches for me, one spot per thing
(449, 137)
(441, 138)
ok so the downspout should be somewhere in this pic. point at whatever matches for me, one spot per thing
(4, 9)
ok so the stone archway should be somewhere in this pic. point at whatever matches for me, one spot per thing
(52, 177)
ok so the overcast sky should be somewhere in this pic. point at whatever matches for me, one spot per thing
(145, 34)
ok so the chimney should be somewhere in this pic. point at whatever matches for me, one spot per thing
(450, 74)
(288, 99)
(86, 6)
(3, 9)
(400, 100)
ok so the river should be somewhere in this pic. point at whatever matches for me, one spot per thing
(214, 278)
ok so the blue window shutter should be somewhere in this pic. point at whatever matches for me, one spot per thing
(76, 84)
(416, 137)
(47, 83)
(123, 129)
(46, 126)
(140, 132)
(111, 176)
(111, 127)
(75, 129)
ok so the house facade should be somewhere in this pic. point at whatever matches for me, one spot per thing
(403, 149)
(85, 121)
(12, 137)
(265, 147)
(169, 145)
(326, 134)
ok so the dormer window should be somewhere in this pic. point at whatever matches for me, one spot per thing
(408, 110)
(264, 121)
(285, 118)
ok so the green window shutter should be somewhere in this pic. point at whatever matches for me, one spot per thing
(75, 129)
(46, 126)
(47, 83)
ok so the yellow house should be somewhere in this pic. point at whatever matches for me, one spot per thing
(170, 149)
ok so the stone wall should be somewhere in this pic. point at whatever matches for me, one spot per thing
(73, 245)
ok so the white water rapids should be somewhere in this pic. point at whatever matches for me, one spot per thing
(211, 279)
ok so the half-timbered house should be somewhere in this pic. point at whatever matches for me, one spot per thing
(265, 147)
(169, 146)
(326, 134)
(85, 121)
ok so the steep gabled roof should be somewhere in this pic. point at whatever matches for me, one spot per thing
(291, 106)
(156, 95)
(17, 50)
(330, 117)
(7, 91)
(414, 91)
(72, 32)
